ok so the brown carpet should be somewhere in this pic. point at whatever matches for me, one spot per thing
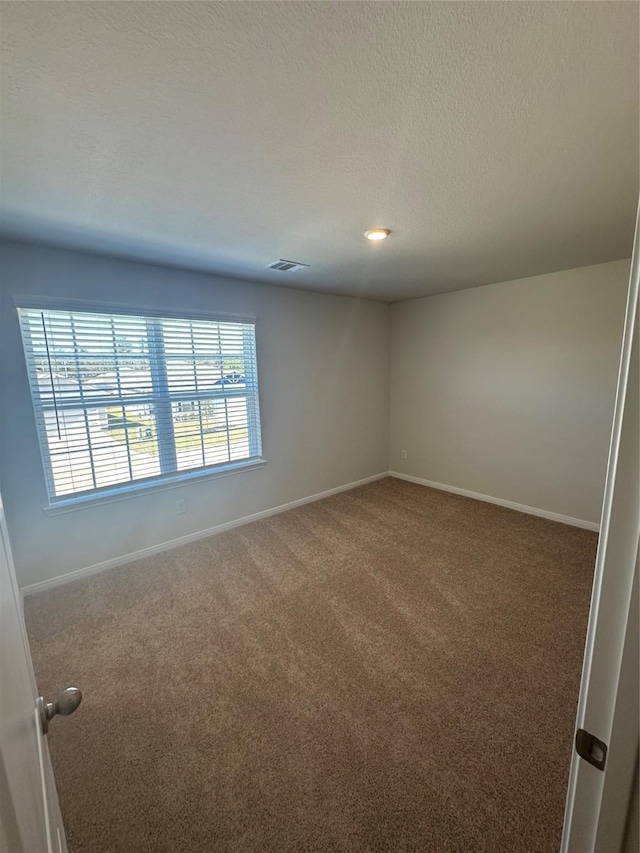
(393, 668)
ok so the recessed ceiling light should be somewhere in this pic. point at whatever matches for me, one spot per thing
(377, 233)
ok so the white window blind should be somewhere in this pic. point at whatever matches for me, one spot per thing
(120, 399)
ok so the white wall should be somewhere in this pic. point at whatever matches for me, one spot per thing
(508, 390)
(323, 368)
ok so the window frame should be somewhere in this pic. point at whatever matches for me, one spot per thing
(171, 479)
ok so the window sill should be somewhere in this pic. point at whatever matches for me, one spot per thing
(134, 491)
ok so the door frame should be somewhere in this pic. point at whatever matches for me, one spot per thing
(605, 680)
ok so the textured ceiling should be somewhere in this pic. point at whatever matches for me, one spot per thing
(496, 140)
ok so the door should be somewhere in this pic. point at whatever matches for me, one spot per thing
(30, 820)
(599, 796)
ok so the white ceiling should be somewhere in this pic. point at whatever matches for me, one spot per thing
(496, 140)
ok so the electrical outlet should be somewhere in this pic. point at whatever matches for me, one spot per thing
(403, 454)
(180, 507)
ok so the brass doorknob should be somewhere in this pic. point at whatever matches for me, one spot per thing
(64, 704)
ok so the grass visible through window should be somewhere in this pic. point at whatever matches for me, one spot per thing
(142, 438)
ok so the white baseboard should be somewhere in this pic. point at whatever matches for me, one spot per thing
(41, 586)
(50, 583)
(529, 510)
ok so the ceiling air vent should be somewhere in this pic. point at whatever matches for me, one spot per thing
(287, 266)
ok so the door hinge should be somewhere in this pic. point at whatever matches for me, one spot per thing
(591, 749)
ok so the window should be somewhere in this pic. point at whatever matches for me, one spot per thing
(122, 399)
